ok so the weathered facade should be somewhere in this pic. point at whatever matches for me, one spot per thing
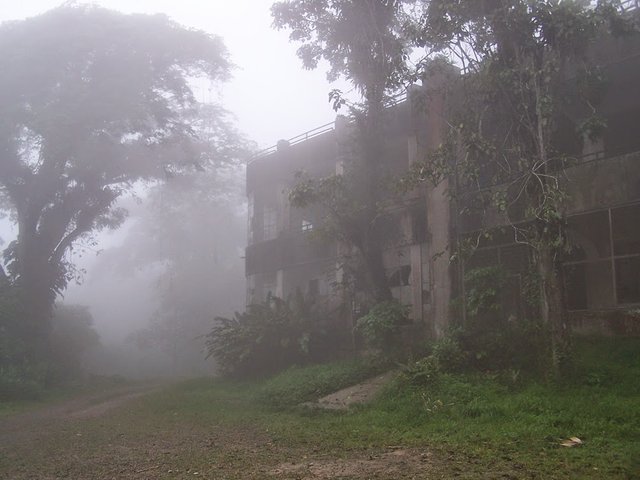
(601, 274)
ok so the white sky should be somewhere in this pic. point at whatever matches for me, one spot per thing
(270, 94)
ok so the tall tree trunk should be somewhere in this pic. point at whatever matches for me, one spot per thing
(35, 279)
(552, 310)
(371, 137)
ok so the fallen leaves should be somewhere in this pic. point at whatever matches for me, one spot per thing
(571, 442)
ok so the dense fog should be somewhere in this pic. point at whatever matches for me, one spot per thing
(154, 286)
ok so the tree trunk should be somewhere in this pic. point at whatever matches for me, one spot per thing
(35, 278)
(552, 311)
(373, 148)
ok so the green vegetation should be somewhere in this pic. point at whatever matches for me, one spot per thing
(501, 153)
(302, 384)
(491, 421)
(380, 326)
(469, 425)
(274, 335)
(72, 335)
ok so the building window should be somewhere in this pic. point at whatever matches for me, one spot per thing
(250, 213)
(268, 291)
(603, 269)
(269, 223)
(399, 277)
(307, 226)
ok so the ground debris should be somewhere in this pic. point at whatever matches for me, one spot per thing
(396, 463)
(571, 442)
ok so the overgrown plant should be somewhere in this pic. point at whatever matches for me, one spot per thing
(273, 335)
(490, 337)
(380, 326)
(482, 290)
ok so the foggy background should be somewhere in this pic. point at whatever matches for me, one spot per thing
(134, 278)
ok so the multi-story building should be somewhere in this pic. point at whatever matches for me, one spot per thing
(601, 274)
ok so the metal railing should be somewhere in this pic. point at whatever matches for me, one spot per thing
(328, 127)
(297, 139)
(625, 5)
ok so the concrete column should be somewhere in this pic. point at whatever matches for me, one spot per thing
(435, 85)
(416, 283)
(280, 284)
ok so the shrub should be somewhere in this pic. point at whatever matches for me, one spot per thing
(72, 336)
(271, 336)
(482, 290)
(449, 354)
(423, 372)
(490, 338)
(380, 326)
(25, 382)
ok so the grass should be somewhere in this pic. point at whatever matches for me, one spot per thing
(473, 426)
(302, 384)
(480, 421)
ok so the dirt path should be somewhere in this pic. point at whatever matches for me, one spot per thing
(355, 395)
(83, 407)
(113, 436)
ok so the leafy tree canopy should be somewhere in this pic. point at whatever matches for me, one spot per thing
(360, 40)
(92, 101)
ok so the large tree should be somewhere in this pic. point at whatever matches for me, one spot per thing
(361, 41)
(92, 102)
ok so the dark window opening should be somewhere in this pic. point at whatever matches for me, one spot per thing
(626, 230)
(419, 223)
(575, 287)
(589, 236)
(399, 277)
(628, 280)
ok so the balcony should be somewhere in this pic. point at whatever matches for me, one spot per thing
(286, 251)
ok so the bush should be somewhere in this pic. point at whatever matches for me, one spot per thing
(271, 336)
(423, 372)
(516, 344)
(491, 339)
(22, 382)
(449, 355)
(380, 326)
(72, 335)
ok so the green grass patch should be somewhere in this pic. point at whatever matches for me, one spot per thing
(302, 384)
(478, 421)
(473, 426)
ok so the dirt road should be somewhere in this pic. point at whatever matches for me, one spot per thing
(126, 434)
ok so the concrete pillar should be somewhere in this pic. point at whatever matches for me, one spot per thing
(280, 284)
(416, 283)
(435, 86)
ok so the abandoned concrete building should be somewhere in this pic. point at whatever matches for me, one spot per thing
(601, 274)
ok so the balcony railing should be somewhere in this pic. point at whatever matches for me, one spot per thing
(391, 102)
(297, 139)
